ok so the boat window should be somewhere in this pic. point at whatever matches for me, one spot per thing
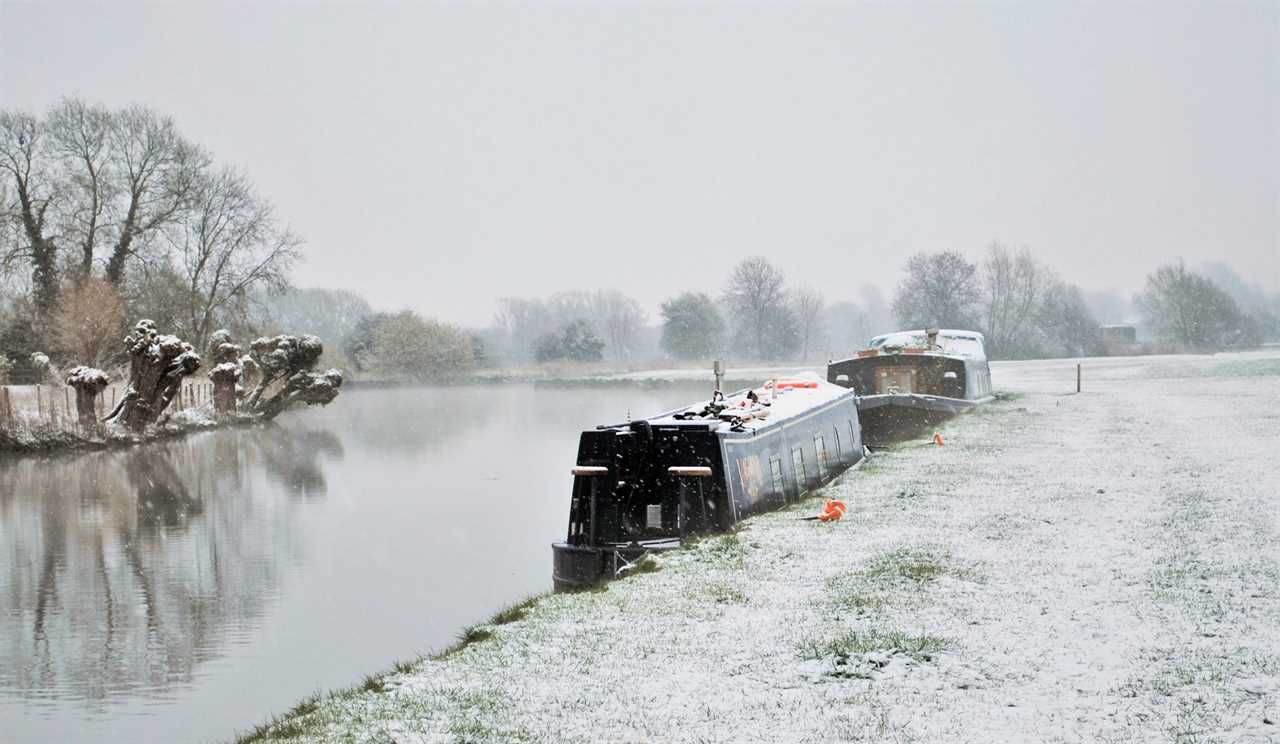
(853, 437)
(797, 465)
(839, 449)
(820, 449)
(775, 471)
(965, 346)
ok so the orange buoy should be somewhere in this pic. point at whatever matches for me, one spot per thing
(937, 439)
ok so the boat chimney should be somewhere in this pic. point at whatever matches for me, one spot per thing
(932, 333)
(717, 368)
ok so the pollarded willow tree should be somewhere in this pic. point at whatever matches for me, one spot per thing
(288, 364)
(283, 368)
(157, 364)
(88, 383)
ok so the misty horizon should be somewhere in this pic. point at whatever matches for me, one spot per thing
(439, 158)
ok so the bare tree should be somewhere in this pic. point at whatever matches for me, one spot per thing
(1067, 323)
(226, 244)
(621, 318)
(808, 306)
(1015, 285)
(1187, 309)
(158, 171)
(757, 299)
(521, 321)
(24, 162)
(80, 136)
(940, 289)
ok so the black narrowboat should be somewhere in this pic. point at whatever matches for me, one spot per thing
(911, 380)
(643, 486)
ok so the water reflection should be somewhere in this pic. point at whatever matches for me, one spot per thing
(184, 590)
(124, 571)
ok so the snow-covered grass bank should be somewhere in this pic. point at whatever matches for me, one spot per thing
(1095, 567)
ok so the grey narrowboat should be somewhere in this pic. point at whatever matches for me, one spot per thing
(643, 486)
(911, 380)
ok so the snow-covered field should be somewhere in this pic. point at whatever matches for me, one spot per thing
(1101, 567)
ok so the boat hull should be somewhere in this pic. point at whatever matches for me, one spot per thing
(579, 567)
(645, 487)
(894, 417)
(903, 393)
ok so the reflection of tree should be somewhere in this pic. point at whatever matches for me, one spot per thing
(162, 497)
(126, 570)
(293, 459)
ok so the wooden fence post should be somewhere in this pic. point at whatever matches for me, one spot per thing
(1079, 375)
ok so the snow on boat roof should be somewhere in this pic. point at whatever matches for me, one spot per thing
(787, 397)
(969, 344)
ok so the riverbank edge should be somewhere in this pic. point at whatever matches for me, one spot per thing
(54, 443)
(287, 726)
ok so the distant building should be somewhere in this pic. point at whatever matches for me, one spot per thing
(1120, 340)
(1119, 334)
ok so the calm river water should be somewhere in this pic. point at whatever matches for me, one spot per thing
(185, 590)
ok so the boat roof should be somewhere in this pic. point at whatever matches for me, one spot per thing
(952, 342)
(786, 398)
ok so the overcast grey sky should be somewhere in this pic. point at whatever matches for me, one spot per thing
(439, 157)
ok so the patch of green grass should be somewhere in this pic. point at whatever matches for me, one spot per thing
(599, 588)
(914, 564)
(281, 729)
(373, 683)
(853, 593)
(306, 707)
(728, 548)
(723, 593)
(404, 667)
(468, 636)
(477, 732)
(514, 613)
(850, 643)
(290, 725)
(881, 582)
(647, 564)
(872, 465)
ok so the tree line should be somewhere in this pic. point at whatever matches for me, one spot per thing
(1026, 311)
(1022, 307)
